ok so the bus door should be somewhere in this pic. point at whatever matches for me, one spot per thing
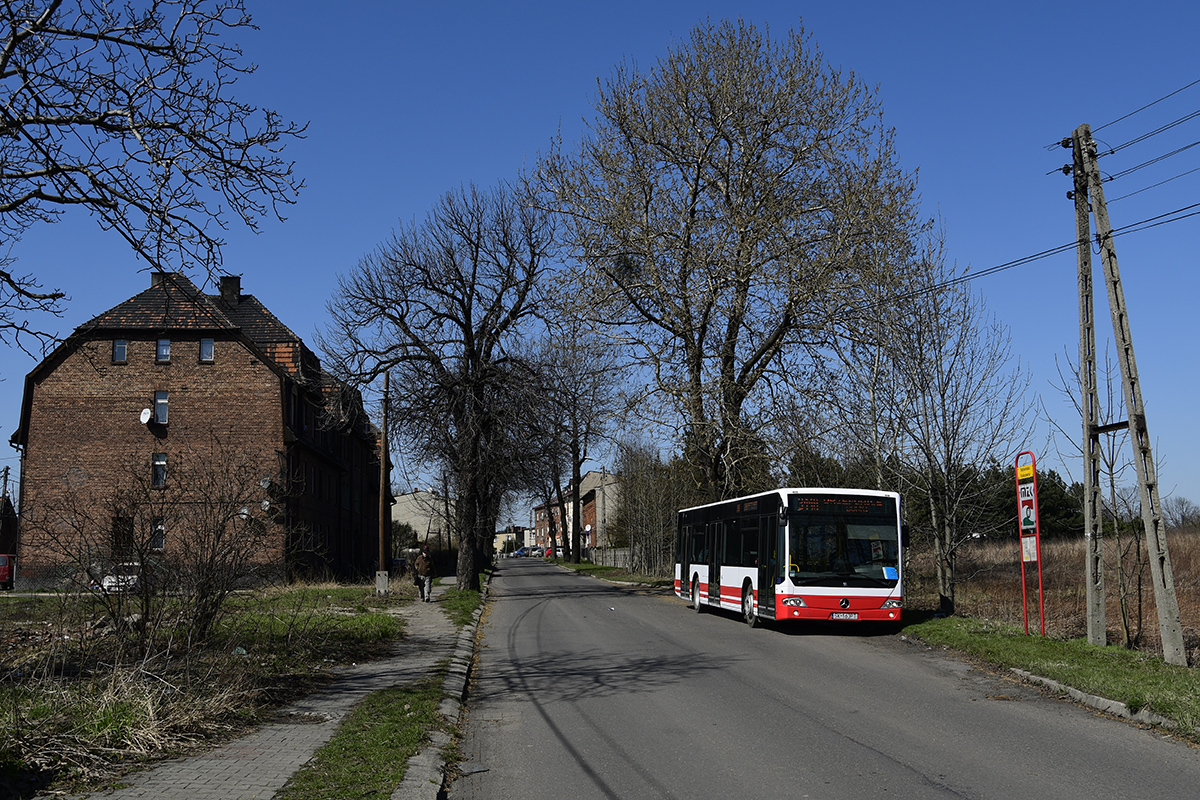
(768, 564)
(716, 546)
(695, 556)
(683, 546)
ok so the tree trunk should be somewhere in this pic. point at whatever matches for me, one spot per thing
(944, 556)
(468, 516)
(576, 515)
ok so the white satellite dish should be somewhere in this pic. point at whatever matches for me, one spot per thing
(145, 416)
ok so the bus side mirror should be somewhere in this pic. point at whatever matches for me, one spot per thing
(904, 536)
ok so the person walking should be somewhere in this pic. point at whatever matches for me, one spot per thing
(424, 571)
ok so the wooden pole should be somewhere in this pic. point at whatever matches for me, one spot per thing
(381, 576)
(1169, 627)
(1093, 520)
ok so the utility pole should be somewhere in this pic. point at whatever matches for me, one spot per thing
(1170, 629)
(381, 575)
(1093, 520)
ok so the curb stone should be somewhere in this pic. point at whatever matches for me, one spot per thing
(426, 772)
(1113, 707)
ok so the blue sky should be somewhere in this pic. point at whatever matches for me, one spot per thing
(408, 100)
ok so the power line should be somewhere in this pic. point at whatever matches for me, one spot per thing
(1053, 145)
(1067, 168)
(1152, 161)
(1143, 108)
(1155, 132)
(1154, 222)
(1134, 227)
(1029, 259)
(1155, 185)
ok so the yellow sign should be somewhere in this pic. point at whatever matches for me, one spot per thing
(1024, 472)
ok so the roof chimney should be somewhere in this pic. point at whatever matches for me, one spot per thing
(231, 289)
(156, 277)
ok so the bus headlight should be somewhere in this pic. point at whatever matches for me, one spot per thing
(893, 603)
(793, 601)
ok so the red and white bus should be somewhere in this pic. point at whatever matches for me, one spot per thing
(795, 554)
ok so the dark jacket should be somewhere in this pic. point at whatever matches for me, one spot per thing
(424, 565)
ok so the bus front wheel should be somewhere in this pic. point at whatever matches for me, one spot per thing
(748, 607)
(696, 596)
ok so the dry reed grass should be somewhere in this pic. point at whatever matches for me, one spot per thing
(79, 702)
(989, 587)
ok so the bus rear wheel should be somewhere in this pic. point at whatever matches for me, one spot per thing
(696, 596)
(748, 607)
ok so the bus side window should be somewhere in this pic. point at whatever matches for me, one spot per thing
(750, 542)
(732, 556)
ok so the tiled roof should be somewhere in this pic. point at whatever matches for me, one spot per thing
(173, 303)
(254, 320)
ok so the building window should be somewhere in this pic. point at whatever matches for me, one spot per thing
(160, 408)
(122, 538)
(163, 353)
(206, 351)
(158, 471)
(120, 351)
(158, 534)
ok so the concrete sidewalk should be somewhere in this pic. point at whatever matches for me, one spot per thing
(256, 766)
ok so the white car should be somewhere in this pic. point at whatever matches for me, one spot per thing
(122, 578)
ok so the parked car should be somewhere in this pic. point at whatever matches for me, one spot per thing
(124, 577)
(8, 570)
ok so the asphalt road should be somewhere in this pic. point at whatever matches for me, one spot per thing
(585, 690)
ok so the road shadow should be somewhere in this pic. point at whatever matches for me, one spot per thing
(593, 673)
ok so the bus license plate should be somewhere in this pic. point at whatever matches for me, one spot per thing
(844, 615)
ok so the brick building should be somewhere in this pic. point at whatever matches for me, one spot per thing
(599, 499)
(206, 399)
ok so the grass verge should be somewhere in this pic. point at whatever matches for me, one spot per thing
(368, 755)
(1138, 679)
(617, 574)
(460, 604)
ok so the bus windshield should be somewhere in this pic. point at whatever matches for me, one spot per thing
(843, 540)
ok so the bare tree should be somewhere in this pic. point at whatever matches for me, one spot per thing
(1180, 512)
(544, 443)
(964, 408)
(442, 305)
(864, 398)
(127, 110)
(730, 205)
(580, 392)
(651, 492)
(150, 543)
